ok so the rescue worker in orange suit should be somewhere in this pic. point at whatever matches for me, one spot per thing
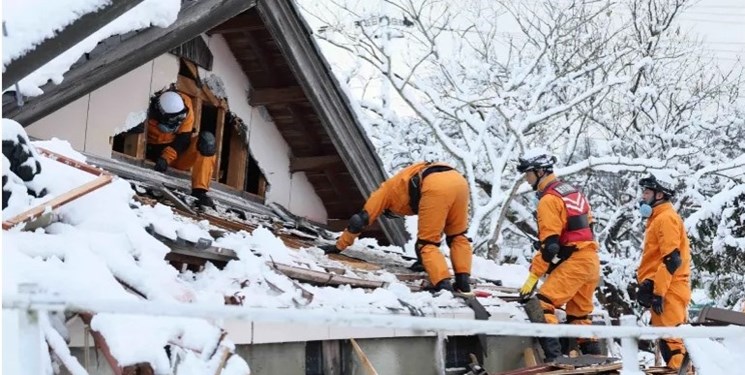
(567, 251)
(171, 142)
(664, 274)
(439, 195)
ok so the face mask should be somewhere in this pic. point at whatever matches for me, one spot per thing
(645, 209)
(534, 200)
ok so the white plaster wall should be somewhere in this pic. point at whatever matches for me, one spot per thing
(67, 123)
(267, 146)
(90, 122)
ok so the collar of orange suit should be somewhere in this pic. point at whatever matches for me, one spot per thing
(656, 210)
(547, 180)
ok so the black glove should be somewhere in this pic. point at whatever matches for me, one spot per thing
(161, 165)
(537, 245)
(657, 304)
(329, 249)
(644, 293)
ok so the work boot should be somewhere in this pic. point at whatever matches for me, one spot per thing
(462, 282)
(445, 284)
(202, 199)
(417, 266)
(590, 347)
(551, 348)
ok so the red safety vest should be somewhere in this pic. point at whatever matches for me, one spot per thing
(575, 203)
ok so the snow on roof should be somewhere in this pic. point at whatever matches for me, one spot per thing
(717, 357)
(100, 248)
(24, 31)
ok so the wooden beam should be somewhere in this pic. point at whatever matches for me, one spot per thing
(275, 95)
(312, 163)
(323, 278)
(366, 364)
(115, 60)
(261, 55)
(71, 35)
(295, 42)
(246, 21)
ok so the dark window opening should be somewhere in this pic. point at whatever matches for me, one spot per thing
(209, 119)
(227, 134)
(118, 143)
(254, 178)
(314, 358)
(458, 350)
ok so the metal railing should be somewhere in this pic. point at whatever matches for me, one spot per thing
(30, 305)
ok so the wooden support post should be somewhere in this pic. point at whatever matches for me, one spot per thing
(366, 364)
(219, 130)
(529, 356)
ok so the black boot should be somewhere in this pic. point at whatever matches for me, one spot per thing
(202, 199)
(590, 347)
(445, 284)
(551, 348)
(462, 282)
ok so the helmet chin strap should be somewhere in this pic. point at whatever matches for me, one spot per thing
(537, 180)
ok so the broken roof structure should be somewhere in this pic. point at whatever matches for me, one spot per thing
(288, 76)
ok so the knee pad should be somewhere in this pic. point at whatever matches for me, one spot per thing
(420, 244)
(206, 144)
(666, 352)
(449, 239)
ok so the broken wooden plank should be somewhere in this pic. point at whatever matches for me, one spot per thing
(533, 370)
(586, 370)
(180, 204)
(100, 342)
(57, 201)
(71, 162)
(354, 262)
(529, 357)
(366, 364)
(45, 209)
(322, 278)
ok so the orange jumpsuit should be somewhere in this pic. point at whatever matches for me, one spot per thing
(574, 280)
(664, 234)
(179, 149)
(443, 208)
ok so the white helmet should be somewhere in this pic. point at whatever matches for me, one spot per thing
(171, 103)
(536, 158)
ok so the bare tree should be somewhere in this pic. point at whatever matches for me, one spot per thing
(605, 85)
